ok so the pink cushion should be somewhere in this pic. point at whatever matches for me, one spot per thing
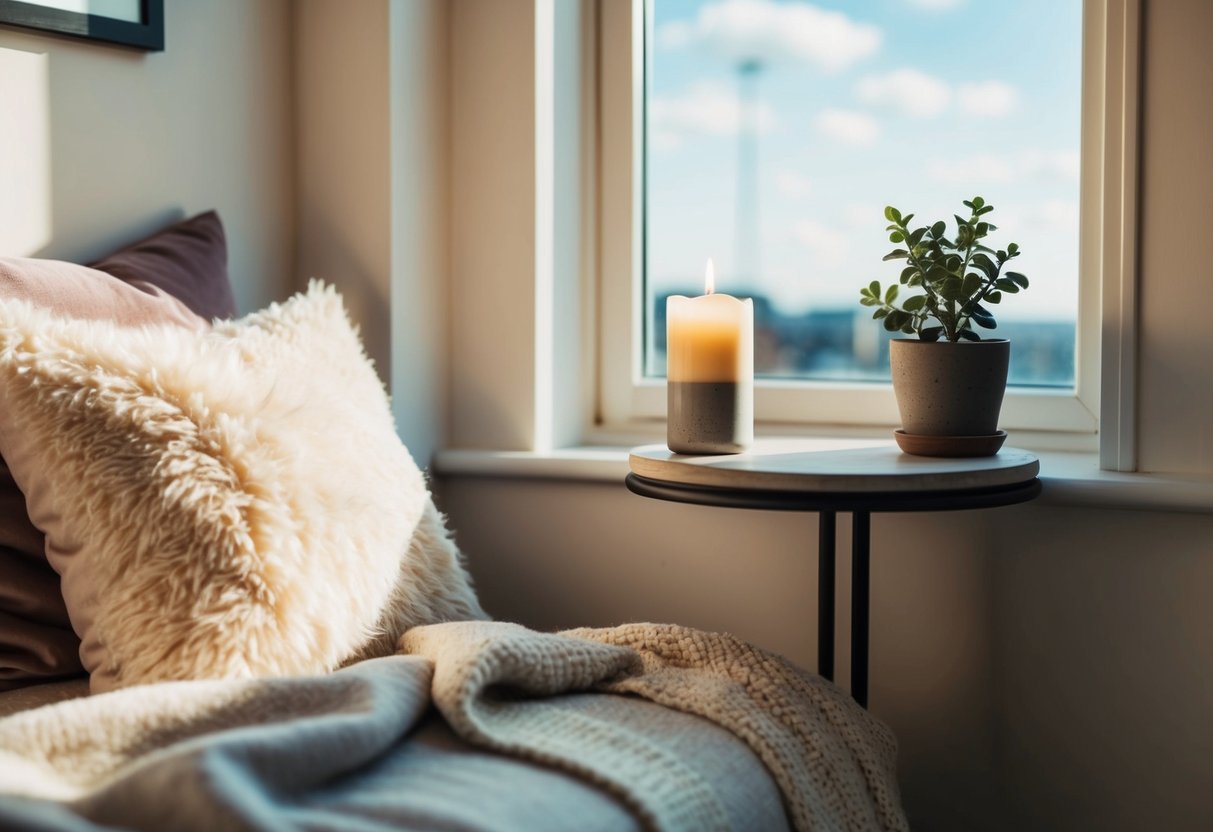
(81, 292)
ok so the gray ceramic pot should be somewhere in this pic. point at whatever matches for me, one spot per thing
(949, 389)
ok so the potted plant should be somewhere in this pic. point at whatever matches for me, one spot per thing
(949, 382)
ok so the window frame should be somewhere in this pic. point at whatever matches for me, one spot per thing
(628, 403)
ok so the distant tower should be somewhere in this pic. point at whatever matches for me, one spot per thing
(746, 247)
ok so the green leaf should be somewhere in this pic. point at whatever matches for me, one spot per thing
(913, 304)
(880, 313)
(907, 273)
(937, 274)
(1007, 285)
(1013, 249)
(891, 294)
(906, 219)
(968, 335)
(930, 333)
(896, 254)
(1019, 279)
(867, 300)
(874, 288)
(994, 297)
(984, 263)
(976, 203)
(892, 214)
(916, 236)
(971, 285)
(890, 325)
(897, 237)
(982, 317)
(950, 288)
(938, 228)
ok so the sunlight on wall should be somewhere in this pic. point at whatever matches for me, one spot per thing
(25, 153)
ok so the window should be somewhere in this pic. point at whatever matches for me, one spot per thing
(770, 134)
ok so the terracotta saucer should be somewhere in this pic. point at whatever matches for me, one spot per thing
(912, 443)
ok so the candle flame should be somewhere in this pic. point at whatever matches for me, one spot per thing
(709, 278)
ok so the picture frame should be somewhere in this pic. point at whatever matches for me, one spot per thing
(137, 24)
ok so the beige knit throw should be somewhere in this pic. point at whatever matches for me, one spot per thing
(833, 761)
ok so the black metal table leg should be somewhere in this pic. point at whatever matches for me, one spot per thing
(827, 504)
(860, 572)
(825, 594)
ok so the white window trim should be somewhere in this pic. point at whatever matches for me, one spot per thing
(628, 404)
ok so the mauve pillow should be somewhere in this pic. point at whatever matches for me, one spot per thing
(36, 640)
(187, 260)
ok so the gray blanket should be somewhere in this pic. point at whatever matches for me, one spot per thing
(354, 750)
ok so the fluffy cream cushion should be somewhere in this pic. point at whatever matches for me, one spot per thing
(228, 503)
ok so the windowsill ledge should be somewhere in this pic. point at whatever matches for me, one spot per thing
(1070, 479)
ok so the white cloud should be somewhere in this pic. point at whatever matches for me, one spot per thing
(865, 215)
(984, 168)
(1058, 213)
(979, 169)
(829, 246)
(1063, 164)
(664, 141)
(675, 34)
(848, 126)
(792, 184)
(988, 98)
(1023, 219)
(704, 109)
(768, 31)
(907, 91)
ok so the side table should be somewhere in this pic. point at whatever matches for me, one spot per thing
(831, 476)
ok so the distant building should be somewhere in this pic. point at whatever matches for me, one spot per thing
(845, 344)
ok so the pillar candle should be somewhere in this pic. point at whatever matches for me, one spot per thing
(709, 372)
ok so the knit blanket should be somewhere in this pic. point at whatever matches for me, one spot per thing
(236, 754)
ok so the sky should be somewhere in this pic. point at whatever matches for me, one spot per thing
(856, 105)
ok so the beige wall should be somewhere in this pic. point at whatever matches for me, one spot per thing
(342, 83)
(138, 139)
(493, 246)
(371, 172)
(1176, 350)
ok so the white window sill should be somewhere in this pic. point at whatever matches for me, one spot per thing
(1070, 479)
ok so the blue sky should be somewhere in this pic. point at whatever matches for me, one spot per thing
(914, 103)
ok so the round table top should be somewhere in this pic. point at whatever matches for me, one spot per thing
(836, 466)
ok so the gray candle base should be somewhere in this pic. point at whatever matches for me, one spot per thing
(706, 417)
